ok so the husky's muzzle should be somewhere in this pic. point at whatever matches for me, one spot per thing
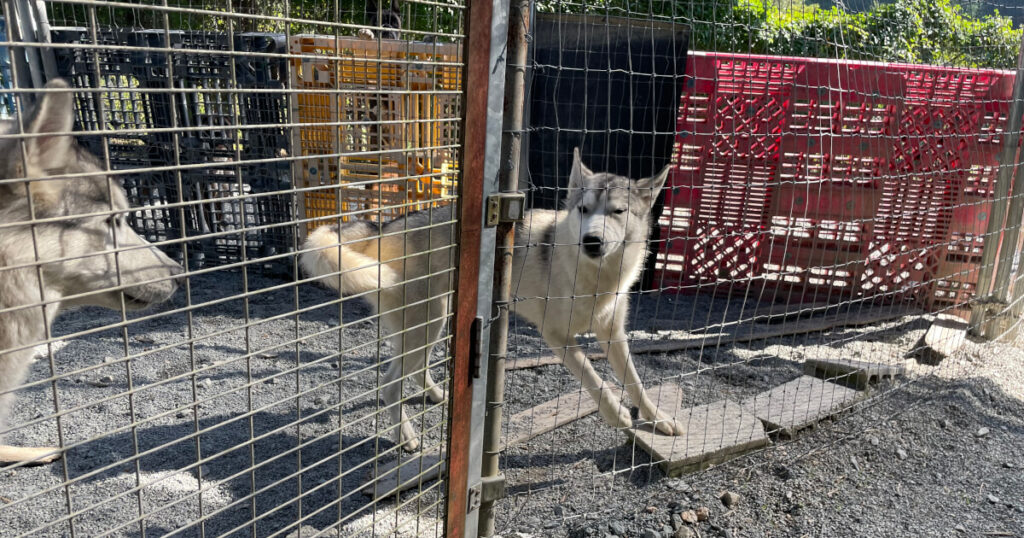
(592, 246)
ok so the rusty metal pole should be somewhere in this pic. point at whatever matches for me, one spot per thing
(471, 192)
(511, 142)
(1000, 200)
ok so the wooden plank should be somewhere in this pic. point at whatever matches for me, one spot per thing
(749, 332)
(772, 313)
(946, 336)
(742, 332)
(852, 373)
(547, 416)
(533, 361)
(780, 311)
(415, 469)
(800, 403)
(716, 432)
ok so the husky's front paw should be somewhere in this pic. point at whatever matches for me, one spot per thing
(667, 425)
(617, 416)
(365, 33)
(29, 455)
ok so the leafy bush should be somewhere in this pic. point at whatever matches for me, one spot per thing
(937, 32)
(914, 31)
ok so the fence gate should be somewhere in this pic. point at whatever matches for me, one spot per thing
(272, 233)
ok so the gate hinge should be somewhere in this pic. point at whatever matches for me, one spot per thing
(493, 488)
(476, 346)
(473, 498)
(505, 207)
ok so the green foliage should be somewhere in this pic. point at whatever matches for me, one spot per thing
(297, 16)
(937, 32)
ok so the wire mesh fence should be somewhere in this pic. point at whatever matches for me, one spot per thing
(825, 242)
(184, 165)
(235, 270)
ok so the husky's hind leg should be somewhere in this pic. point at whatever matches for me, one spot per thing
(394, 401)
(435, 393)
(609, 404)
(412, 350)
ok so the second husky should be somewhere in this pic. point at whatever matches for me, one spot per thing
(572, 272)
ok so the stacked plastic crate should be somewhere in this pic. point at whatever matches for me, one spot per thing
(822, 180)
(382, 129)
(186, 98)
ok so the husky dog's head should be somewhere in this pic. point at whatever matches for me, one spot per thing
(609, 211)
(80, 239)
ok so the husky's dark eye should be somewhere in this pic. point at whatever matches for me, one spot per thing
(583, 209)
(619, 211)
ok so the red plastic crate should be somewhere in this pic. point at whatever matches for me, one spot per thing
(810, 180)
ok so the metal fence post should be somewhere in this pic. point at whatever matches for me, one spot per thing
(997, 247)
(518, 30)
(483, 83)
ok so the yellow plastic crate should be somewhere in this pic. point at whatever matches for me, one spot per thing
(406, 163)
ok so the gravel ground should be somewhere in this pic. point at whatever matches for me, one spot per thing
(940, 452)
(336, 411)
(921, 467)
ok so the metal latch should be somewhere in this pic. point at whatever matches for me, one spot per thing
(493, 488)
(489, 489)
(476, 346)
(505, 207)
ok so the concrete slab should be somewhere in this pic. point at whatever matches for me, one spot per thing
(799, 403)
(716, 432)
(946, 335)
(852, 373)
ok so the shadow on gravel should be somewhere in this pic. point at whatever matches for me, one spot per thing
(261, 477)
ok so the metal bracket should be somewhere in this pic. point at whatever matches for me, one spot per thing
(493, 488)
(474, 498)
(505, 207)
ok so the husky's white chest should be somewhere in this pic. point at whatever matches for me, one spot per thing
(571, 298)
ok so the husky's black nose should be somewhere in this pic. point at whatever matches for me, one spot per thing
(592, 245)
(178, 272)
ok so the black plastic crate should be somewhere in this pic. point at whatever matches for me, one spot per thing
(222, 191)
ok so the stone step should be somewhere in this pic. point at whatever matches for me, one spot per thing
(716, 432)
(800, 403)
(852, 373)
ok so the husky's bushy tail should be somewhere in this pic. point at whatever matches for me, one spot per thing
(346, 258)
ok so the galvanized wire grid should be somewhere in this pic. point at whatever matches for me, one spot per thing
(828, 205)
(248, 403)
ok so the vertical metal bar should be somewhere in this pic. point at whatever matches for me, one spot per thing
(475, 76)
(997, 214)
(24, 60)
(1011, 232)
(511, 145)
(43, 36)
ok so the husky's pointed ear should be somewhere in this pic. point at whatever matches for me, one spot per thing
(53, 118)
(649, 187)
(580, 173)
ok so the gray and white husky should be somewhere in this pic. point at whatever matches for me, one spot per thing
(79, 252)
(572, 272)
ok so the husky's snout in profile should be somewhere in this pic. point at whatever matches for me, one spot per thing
(63, 242)
(572, 273)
